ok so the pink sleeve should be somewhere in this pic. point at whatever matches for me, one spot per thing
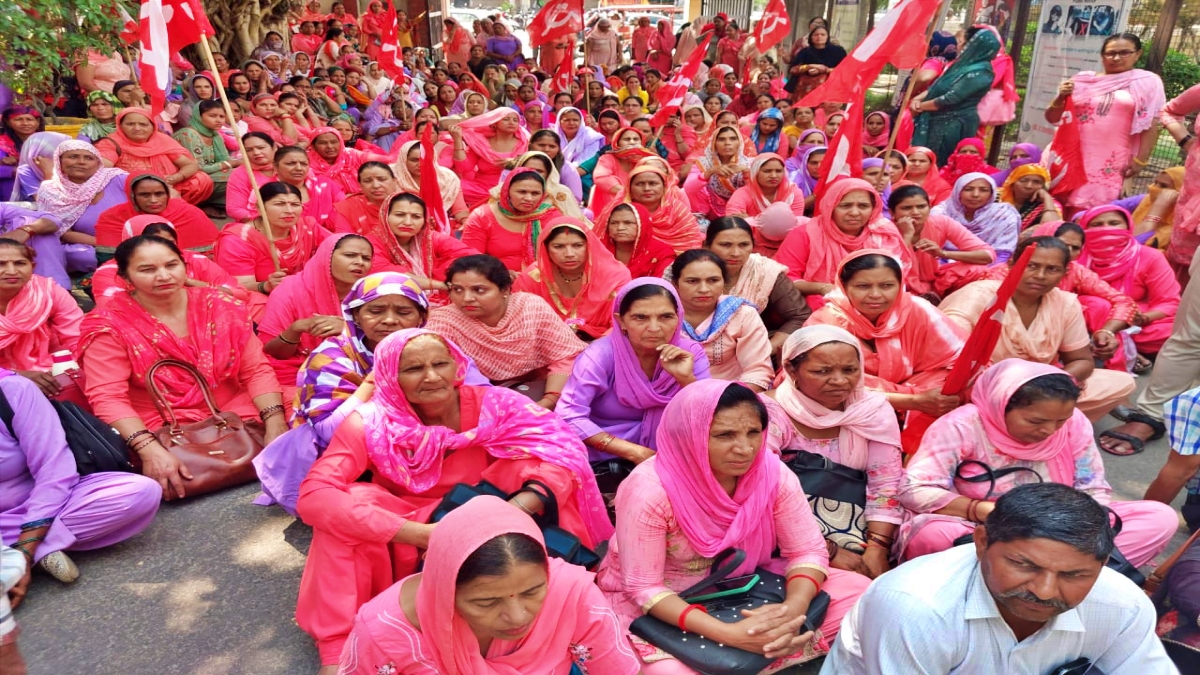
(928, 483)
(884, 474)
(475, 230)
(643, 514)
(1161, 286)
(363, 656)
(237, 257)
(798, 204)
(446, 249)
(459, 205)
(1181, 106)
(106, 370)
(255, 372)
(739, 203)
(65, 318)
(964, 239)
(1075, 333)
(753, 347)
(468, 165)
(793, 252)
(237, 197)
(327, 501)
(608, 650)
(797, 533)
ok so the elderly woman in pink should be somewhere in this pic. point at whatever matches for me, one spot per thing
(37, 317)
(443, 621)
(482, 146)
(713, 485)
(1023, 422)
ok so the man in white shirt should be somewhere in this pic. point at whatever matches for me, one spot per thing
(1031, 596)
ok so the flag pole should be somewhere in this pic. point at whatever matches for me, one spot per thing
(912, 83)
(206, 51)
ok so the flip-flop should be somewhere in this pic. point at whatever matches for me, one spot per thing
(1142, 365)
(1134, 442)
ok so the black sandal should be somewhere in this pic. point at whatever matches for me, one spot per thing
(1136, 444)
(1158, 427)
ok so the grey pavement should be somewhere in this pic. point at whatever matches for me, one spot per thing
(210, 589)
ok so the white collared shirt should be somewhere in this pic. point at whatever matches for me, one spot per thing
(934, 615)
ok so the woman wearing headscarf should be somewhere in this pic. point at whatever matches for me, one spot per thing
(662, 46)
(40, 318)
(35, 164)
(103, 108)
(700, 494)
(945, 254)
(372, 29)
(406, 240)
(570, 626)
(620, 384)
(576, 275)
(580, 142)
(137, 147)
(509, 225)
(768, 185)
(768, 132)
(966, 158)
(203, 138)
(653, 185)
(17, 124)
(723, 169)
(482, 146)
(629, 236)
(1021, 154)
(1154, 212)
(1026, 189)
(851, 219)
(408, 178)
(329, 158)
(834, 416)
(196, 89)
(557, 192)
(611, 176)
(923, 171)
(150, 195)
(947, 112)
(260, 264)
(994, 430)
(80, 190)
(503, 46)
(877, 128)
(973, 204)
(417, 443)
(807, 172)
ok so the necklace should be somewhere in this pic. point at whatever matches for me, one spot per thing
(570, 280)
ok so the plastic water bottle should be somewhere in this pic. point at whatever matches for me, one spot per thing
(63, 362)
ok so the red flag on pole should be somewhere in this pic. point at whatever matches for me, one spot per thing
(165, 27)
(431, 194)
(898, 39)
(671, 94)
(391, 59)
(1065, 154)
(558, 18)
(773, 27)
(844, 158)
(129, 28)
(566, 69)
(976, 354)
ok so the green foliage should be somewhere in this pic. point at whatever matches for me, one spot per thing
(42, 37)
(1179, 71)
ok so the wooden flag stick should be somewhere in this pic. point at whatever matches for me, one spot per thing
(206, 51)
(912, 83)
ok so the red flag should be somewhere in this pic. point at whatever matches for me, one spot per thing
(167, 26)
(130, 31)
(976, 354)
(391, 59)
(689, 69)
(898, 39)
(557, 18)
(671, 94)
(431, 194)
(565, 73)
(1065, 154)
(773, 27)
(844, 158)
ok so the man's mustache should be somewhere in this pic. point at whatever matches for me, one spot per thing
(1031, 598)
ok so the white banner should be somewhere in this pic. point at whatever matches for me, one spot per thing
(1069, 37)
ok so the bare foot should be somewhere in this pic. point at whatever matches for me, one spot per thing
(328, 670)
(1117, 446)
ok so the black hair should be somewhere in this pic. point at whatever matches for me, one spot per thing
(561, 229)
(141, 179)
(1137, 41)
(289, 94)
(375, 165)
(25, 248)
(654, 71)
(260, 136)
(333, 34)
(632, 98)
(737, 394)
(697, 255)
(206, 106)
(158, 229)
(1052, 511)
(526, 176)
(126, 249)
(353, 237)
(540, 158)
(645, 292)
(407, 197)
(768, 95)
(1053, 387)
(724, 223)
(1042, 242)
(1070, 227)
(275, 188)
(869, 262)
(564, 93)
(297, 79)
(489, 266)
(906, 192)
(287, 150)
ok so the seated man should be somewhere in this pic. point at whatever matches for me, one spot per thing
(1030, 596)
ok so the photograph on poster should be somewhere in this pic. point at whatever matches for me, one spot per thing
(1104, 19)
(1053, 25)
(1078, 19)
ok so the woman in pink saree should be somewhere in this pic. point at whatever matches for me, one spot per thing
(482, 146)
(1115, 110)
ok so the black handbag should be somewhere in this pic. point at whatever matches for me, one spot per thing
(96, 446)
(559, 542)
(837, 495)
(709, 657)
(1116, 560)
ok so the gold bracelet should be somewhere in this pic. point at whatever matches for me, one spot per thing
(1140, 162)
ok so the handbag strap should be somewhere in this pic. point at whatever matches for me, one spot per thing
(723, 565)
(160, 401)
(990, 475)
(549, 517)
(1160, 573)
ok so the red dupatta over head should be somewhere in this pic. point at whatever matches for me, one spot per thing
(650, 256)
(829, 245)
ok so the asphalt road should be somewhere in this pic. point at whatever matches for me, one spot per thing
(210, 589)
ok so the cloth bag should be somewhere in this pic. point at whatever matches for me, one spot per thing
(96, 446)
(218, 451)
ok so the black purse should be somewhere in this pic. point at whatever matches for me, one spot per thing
(1116, 560)
(837, 495)
(96, 446)
(559, 542)
(709, 657)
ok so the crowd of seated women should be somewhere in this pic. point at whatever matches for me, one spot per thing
(630, 330)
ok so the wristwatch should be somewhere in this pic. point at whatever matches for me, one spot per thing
(1185, 140)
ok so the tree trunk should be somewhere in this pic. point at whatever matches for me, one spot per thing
(242, 24)
(801, 12)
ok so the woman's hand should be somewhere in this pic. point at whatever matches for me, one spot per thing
(272, 282)
(875, 558)
(927, 246)
(770, 630)
(17, 593)
(678, 362)
(44, 381)
(276, 426)
(849, 561)
(1104, 344)
(165, 468)
(934, 403)
(45, 166)
(325, 326)
(367, 389)
(1066, 88)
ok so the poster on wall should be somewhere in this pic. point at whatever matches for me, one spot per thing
(998, 13)
(1069, 36)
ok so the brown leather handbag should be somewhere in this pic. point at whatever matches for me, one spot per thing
(218, 451)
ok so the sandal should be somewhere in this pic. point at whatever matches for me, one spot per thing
(1142, 365)
(1158, 427)
(1136, 444)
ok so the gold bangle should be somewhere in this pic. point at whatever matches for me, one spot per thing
(1140, 162)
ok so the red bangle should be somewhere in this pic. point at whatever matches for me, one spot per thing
(805, 576)
(684, 613)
